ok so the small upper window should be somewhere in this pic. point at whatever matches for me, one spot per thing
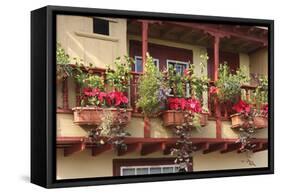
(101, 26)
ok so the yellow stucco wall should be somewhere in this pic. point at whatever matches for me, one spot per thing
(83, 165)
(75, 33)
(259, 62)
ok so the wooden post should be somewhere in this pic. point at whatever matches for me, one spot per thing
(144, 42)
(216, 73)
(65, 94)
(77, 93)
(146, 129)
(216, 57)
(147, 126)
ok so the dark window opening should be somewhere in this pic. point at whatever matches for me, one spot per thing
(101, 26)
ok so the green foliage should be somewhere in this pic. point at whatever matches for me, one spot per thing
(62, 60)
(84, 77)
(228, 84)
(175, 82)
(149, 87)
(261, 92)
(119, 79)
(199, 84)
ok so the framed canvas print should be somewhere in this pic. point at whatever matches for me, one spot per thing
(126, 96)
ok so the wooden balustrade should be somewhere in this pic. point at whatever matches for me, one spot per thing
(132, 94)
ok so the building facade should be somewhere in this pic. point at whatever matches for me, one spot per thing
(101, 40)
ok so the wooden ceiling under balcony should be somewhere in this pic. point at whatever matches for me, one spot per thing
(146, 146)
(237, 38)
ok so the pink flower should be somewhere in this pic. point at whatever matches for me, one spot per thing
(91, 92)
(183, 104)
(265, 108)
(213, 90)
(242, 106)
(194, 105)
(118, 98)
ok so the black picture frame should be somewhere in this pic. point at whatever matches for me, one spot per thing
(43, 96)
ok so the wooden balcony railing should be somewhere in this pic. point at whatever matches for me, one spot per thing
(132, 94)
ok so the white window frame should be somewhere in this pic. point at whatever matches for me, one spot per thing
(175, 61)
(187, 64)
(154, 60)
(148, 167)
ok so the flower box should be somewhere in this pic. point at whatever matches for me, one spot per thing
(172, 118)
(204, 119)
(237, 121)
(260, 122)
(93, 115)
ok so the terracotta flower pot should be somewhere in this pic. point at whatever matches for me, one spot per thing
(204, 119)
(93, 115)
(236, 120)
(172, 118)
(260, 122)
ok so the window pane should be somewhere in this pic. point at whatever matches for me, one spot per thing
(138, 67)
(168, 170)
(155, 170)
(128, 171)
(101, 26)
(142, 171)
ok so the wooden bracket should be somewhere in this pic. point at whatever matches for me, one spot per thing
(78, 147)
(100, 149)
(150, 148)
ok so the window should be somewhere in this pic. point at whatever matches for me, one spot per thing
(180, 67)
(144, 166)
(100, 26)
(145, 170)
(138, 63)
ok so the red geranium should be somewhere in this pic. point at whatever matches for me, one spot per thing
(174, 103)
(91, 92)
(184, 104)
(264, 108)
(213, 90)
(194, 105)
(118, 98)
(242, 106)
(112, 98)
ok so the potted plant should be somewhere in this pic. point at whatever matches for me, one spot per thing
(177, 109)
(228, 85)
(199, 85)
(95, 99)
(149, 90)
(261, 102)
(63, 69)
(246, 112)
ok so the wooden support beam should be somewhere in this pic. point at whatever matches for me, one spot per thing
(168, 147)
(77, 147)
(136, 147)
(231, 147)
(97, 150)
(150, 148)
(261, 147)
(144, 42)
(216, 75)
(215, 147)
(65, 94)
(212, 29)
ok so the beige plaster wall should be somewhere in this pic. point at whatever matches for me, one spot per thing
(259, 62)
(227, 132)
(83, 165)
(75, 33)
